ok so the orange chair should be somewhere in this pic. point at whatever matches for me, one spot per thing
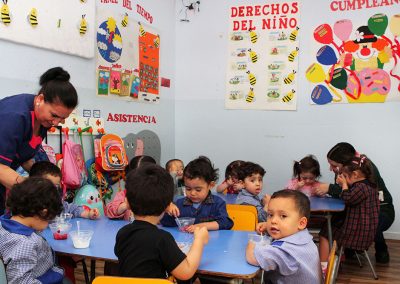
(125, 280)
(332, 262)
(244, 217)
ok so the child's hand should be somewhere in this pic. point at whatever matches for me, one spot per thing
(237, 186)
(94, 213)
(341, 180)
(172, 210)
(266, 199)
(201, 233)
(261, 227)
(300, 184)
(122, 207)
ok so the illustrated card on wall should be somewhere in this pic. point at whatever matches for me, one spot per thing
(103, 79)
(356, 57)
(125, 85)
(115, 82)
(263, 57)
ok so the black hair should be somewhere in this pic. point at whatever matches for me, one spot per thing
(149, 190)
(139, 161)
(42, 168)
(362, 164)
(341, 152)
(201, 168)
(56, 88)
(301, 200)
(232, 169)
(308, 164)
(169, 163)
(248, 169)
(31, 197)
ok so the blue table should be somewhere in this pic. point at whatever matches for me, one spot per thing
(319, 206)
(224, 255)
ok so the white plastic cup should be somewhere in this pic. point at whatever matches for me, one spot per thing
(259, 239)
(82, 238)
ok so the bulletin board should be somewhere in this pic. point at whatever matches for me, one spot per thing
(63, 25)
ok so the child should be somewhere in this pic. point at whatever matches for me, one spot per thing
(250, 178)
(142, 249)
(356, 227)
(118, 207)
(305, 175)
(230, 184)
(27, 256)
(292, 256)
(209, 210)
(175, 168)
(48, 170)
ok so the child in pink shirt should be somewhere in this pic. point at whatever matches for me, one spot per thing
(305, 176)
(118, 207)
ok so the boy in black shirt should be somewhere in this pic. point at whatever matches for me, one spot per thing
(142, 249)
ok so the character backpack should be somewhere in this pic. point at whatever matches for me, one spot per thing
(112, 153)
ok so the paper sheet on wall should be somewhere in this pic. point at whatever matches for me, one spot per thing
(263, 56)
(64, 25)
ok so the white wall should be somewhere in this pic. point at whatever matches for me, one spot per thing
(22, 66)
(271, 138)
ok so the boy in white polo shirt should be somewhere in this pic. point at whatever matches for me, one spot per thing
(292, 256)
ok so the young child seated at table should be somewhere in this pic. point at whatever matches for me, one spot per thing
(250, 177)
(355, 228)
(305, 175)
(144, 250)
(118, 207)
(230, 184)
(208, 210)
(48, 170)
(27, 256)
(175, 168)
(292, 256)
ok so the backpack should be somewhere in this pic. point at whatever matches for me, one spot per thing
(112, 153)
(74, 174)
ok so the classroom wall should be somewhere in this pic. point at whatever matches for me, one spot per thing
(273, 139)
(22, 65)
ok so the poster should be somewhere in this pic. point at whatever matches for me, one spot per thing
(263, 56)
(127, 56)
(356, 54)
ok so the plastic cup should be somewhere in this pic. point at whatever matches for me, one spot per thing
(60, 230)
(184, 222)
(82, 238)
(259, 239)
(63, 218)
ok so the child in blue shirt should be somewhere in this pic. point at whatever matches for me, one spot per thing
(292, 256)
(27, 256)
(208, 210)
(250, 177)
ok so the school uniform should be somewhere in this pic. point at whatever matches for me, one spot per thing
(213, 208)
(293, 259)
(355, 228)
(17, 142)
(246, 198)
(145, 251)
(27, 255)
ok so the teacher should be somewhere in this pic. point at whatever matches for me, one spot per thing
(24, 121)
(337, 156)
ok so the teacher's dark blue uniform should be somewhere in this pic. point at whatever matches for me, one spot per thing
(17, 142)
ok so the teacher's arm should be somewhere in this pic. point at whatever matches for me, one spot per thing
(9, 177)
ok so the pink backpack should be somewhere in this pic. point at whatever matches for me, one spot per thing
(74, 174)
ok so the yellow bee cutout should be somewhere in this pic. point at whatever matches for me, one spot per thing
(289, 79)
(124, 21)
(142, 32)
(157, 41)
(250, 96)
(83, 1)
(293, 34)
(5, 13)
(293, 54)
(253, 55)
(32, 17)
(289, 96)
(252, 78)
(253, 36)
(83, 25)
